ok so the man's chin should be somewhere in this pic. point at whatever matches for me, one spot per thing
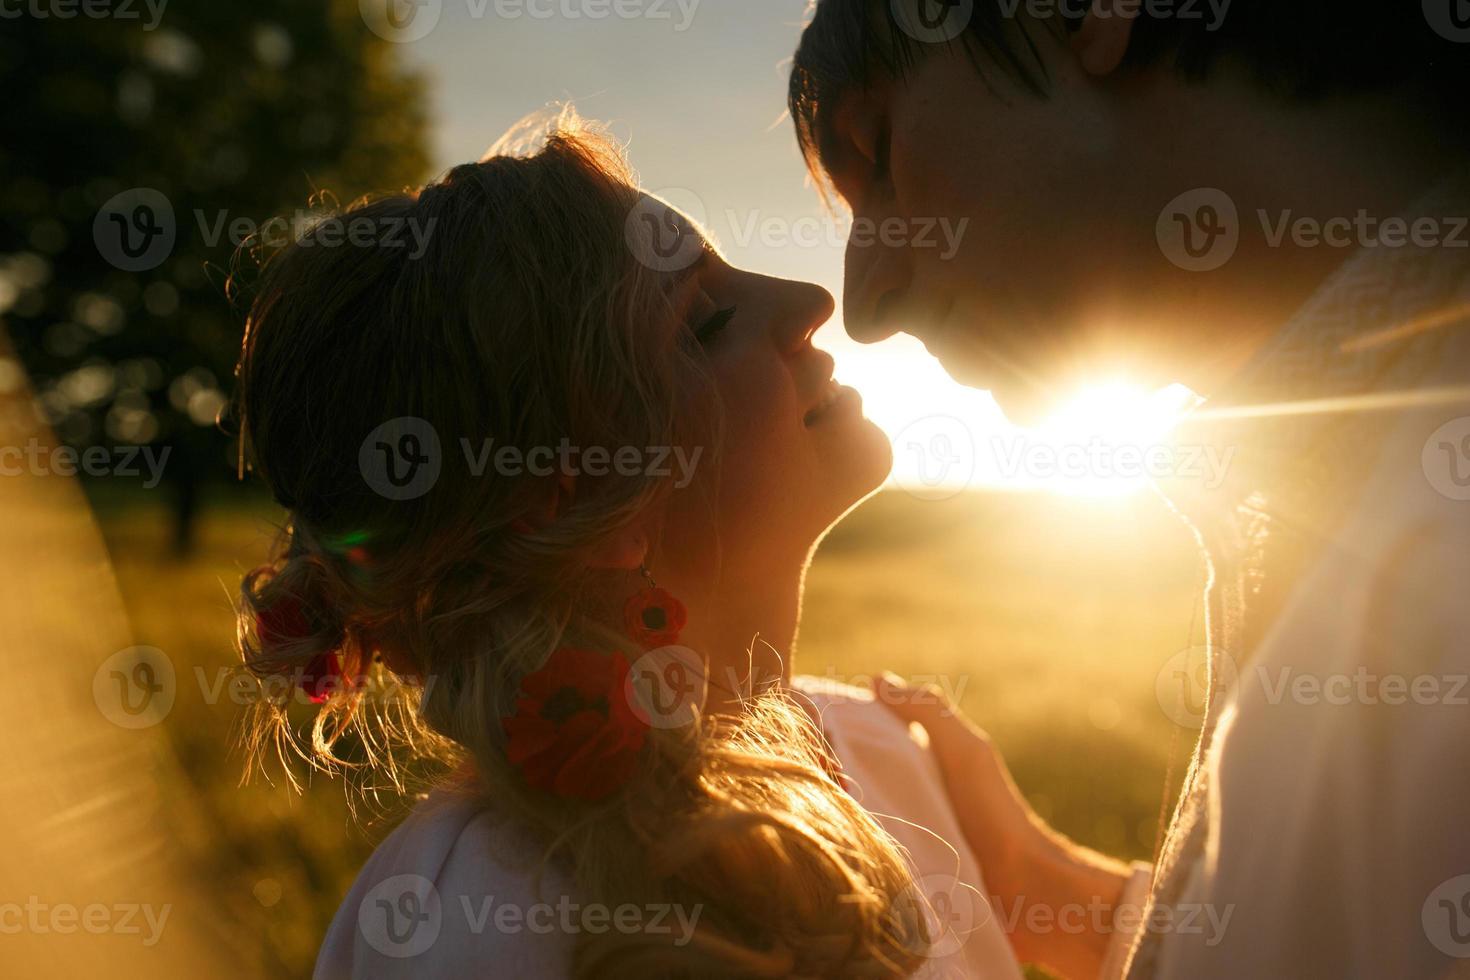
(1023, 405)
(1022, 402)
(962, 367)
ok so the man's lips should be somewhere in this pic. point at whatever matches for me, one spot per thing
(928, 319)
(934, 330)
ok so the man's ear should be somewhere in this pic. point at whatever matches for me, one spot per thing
(1102, 41)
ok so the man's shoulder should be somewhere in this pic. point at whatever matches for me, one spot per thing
(1415, 508)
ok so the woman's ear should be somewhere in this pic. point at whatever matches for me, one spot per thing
(554, 500)
(1102, 41)
(625, 550)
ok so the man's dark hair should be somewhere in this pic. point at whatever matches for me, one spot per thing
(1303, 49)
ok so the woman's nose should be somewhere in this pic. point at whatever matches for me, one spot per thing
(805, 308)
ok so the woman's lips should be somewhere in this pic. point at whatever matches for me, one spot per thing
(834, 399)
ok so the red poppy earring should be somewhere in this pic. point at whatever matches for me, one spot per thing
(652, 616)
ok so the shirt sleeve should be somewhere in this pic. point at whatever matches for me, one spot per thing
(1339, 802)
(1127, 919)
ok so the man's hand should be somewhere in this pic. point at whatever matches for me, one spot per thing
(1026, 864)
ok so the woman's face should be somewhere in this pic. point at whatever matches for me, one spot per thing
(796, 453)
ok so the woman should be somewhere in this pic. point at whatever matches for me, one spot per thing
(474, 448)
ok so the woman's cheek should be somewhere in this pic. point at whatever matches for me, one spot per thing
(766, 455)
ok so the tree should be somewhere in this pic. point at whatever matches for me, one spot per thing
(143, 147)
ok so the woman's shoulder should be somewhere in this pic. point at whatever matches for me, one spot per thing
(875, 746)
(453, 890)
(846, 709)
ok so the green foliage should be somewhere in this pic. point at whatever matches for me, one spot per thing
(231, 111)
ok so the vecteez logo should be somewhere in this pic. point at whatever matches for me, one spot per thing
(401, 459)
(663, 229)
(1445, 917)
(135, 230)
(401, 21)
(668, 687)
(1449, 18)
(401, 916)
(1446, 459)
(1199, 230)
(933, 21)
(942, 453)
(135, 687)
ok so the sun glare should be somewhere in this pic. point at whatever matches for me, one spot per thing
(1119, 414)
(948, 438)
(1102, 435)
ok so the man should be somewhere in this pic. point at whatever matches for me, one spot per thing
(1266, 200)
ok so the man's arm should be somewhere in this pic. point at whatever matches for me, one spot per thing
(1057, 899)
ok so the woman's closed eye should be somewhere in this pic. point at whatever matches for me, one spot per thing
(711, 328)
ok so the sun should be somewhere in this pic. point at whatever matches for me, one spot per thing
(1100, 436)
(948, 438)
(1118, 413)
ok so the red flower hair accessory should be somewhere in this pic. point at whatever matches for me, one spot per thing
(323, 677)
(654, 618)
(574, 734)
(285, 622)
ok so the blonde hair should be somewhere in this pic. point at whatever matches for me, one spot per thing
(528, 318)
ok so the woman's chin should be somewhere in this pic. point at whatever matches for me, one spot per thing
(880, 454)
(860, 464)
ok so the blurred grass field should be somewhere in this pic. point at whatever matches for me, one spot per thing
(1051, 617)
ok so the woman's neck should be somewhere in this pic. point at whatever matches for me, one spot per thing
(746, 631)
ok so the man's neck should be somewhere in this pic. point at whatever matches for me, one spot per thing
(1281, 161)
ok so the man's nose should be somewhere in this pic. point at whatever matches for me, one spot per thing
(877, 280)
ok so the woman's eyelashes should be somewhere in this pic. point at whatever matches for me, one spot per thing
(711, 328)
